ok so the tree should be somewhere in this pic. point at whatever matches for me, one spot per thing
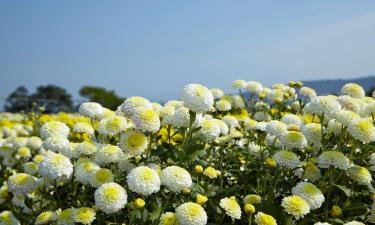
(100, 95)
(53, 98)
(18, 100)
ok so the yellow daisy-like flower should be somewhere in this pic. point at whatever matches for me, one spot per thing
(296, 206)
(85, 215)
(210, 172)
(264, 219)
(45, 217)
(231, 207)
(133, 143)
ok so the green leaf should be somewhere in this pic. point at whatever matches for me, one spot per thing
(344, 189)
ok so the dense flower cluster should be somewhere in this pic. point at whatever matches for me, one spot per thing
(265, 156)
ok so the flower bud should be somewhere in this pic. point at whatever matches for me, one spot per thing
(198, 169)
(249, 209)
(201, 199)
(139, 203)
(336, 211)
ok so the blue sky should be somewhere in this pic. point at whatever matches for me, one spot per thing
(154, 48)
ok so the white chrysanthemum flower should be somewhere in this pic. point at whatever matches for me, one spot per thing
(57, 144)
(360, 175)
(293, 139)
(21, 183)
(252, 199)
(174, 103)
(326, 105)
(238, 102)
(146, 120)
(133, 142)
(354, 90)
(133, 104)
(210, 130)
(333, 158)
(107, 113)
(191, 214)
(295, 206)
(86, 148)
(276, 128)
(217, 93)
(310, 193)
(197, 98)
(112, 125)
(224, 129)
(231, 121)
(231, 207)
(107, 154)
(354, 222)
(91, 109)
(335, 127)
(349, 103)
(223, 105)
(85, 215)
(168, 218)
(156, 106)
(346, 117)
(143, 180)
(67, 216)
(273, 141)
(101, 176)
(368, 110)
(34, 143)
(256, 151)
(238, 84)
(264, 219)
(313, 133)
(110, 197)
(175, 178)
(56, 166)
(82, 127)
(30, 168)
(7, 218)
(167, 115)
(362, 130)
(24, 152)
(286, 159)
(306, 91)
(254, 87)
(181, 117)
(45, 218)
(311, 172)
(291, 119)
(54, 128)
(84, 171)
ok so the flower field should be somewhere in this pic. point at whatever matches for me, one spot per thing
(264, 156)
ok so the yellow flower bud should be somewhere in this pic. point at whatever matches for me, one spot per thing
(299, 84)
(186, 191)
(139, 203)
(198, 169)
(372, 196)
(201, 199)
(278, 100)
(336, 211)
(249, 209)
(210, 172)
(292, 83)
(271, 163)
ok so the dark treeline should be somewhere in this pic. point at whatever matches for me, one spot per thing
(55, 99)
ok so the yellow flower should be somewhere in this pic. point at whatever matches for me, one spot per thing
(85, 215)
(271, 162)
(198, 169)
(336, 211)
(139, 203)
(249, 209)
(210, 172)
(201, 199)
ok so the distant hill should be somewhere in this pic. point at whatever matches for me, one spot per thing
(334, 85)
